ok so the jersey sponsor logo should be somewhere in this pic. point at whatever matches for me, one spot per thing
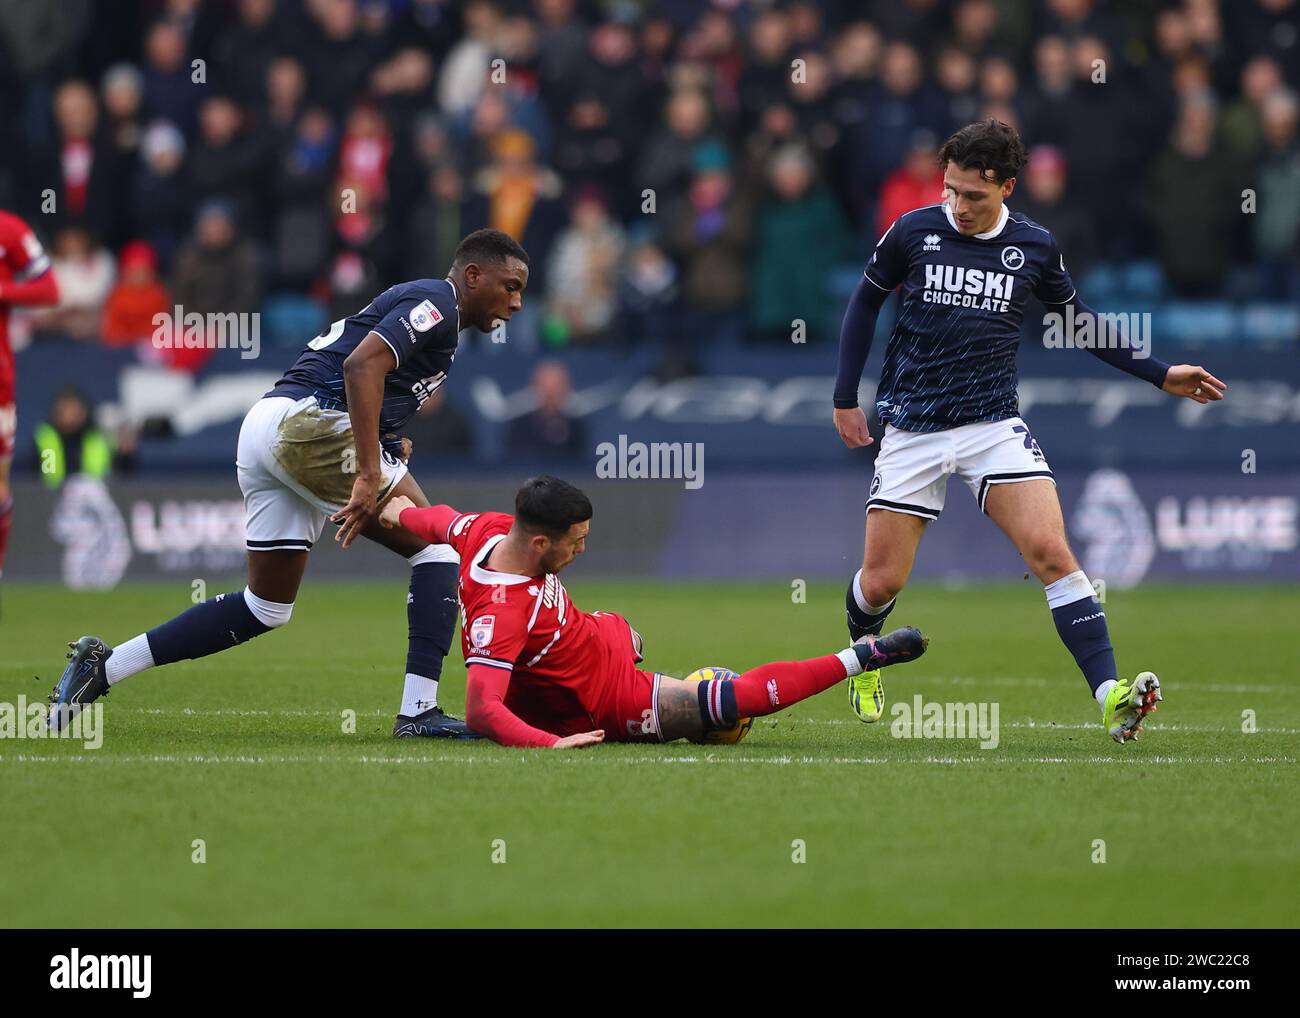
(931, 242)
(480, 631)
(463, 523)
(958, 286)
(1013, 258)
(424, 316)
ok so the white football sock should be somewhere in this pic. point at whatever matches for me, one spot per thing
(419, 695)
(861, 598)
(131, 657)
(849, 658)
(1102, 692)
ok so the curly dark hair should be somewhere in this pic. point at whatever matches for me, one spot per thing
(990, 146)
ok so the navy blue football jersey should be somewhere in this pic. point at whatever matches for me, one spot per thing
(951, 359)
(418, 320)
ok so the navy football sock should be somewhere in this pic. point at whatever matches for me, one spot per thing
(431, 609)
(1081, 624)
(717, 699)
(217, 624)
(862, 622)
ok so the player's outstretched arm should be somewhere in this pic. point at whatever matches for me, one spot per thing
(1189, 380)
(432, 523)
(487, 714)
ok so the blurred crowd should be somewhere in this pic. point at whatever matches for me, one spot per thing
(676, 168)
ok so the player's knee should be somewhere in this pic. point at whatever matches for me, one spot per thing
(880, 588)
(271, 614)
(1050, 557)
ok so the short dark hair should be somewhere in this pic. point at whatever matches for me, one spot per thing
(990, 146)
(484, 246)
(550, 506)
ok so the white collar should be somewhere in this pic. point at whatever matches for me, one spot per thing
(1002, 222)
(491, 577)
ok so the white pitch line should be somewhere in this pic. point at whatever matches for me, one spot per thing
(1030, 723)
(779, 761)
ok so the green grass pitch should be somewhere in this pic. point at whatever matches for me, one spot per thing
(304, 824)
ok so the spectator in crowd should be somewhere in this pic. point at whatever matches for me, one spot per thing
(1194, 197)
(244, 53)
(1042, 195)
(438, 223)
(216, 273)
(802, 236)
(582, 279)
(135, 299)
(665, 163)
(548, 432)
(301, 227)
(915, 184)
(228, 160)
(439, 429)
(122, 91)
(69, 443)
(285, 92)
(517, 196)
(84, 271)
(339, 54)
(464, 73)
(1242, 122)
(169, 92)
(709, 231)
(1277, 221)
(161, 202)
(955, 73)
(79, 168)
(649, 306)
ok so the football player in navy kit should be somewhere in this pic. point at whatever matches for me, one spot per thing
(325, 443)
(948, 399)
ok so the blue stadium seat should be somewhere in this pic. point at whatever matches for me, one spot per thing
(290, 319)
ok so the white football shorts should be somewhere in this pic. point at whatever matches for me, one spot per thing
(913, 467)
(296, 464)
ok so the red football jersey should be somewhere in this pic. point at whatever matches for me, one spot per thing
(529, 626)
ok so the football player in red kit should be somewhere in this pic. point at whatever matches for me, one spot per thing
(25, 279)
(541, 672)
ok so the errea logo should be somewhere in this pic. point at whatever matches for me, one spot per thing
(931, 242)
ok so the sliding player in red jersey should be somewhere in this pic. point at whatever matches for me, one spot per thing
(541, 672)
(25, 279)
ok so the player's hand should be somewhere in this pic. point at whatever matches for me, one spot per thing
(582, 740)
(852, 426)
(360, 507)
(389, 515)
(407, 447)
(1194, 382)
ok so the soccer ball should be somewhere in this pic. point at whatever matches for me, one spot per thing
(723, 736)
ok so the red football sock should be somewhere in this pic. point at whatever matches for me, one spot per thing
(770, 688)
(6, 518)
